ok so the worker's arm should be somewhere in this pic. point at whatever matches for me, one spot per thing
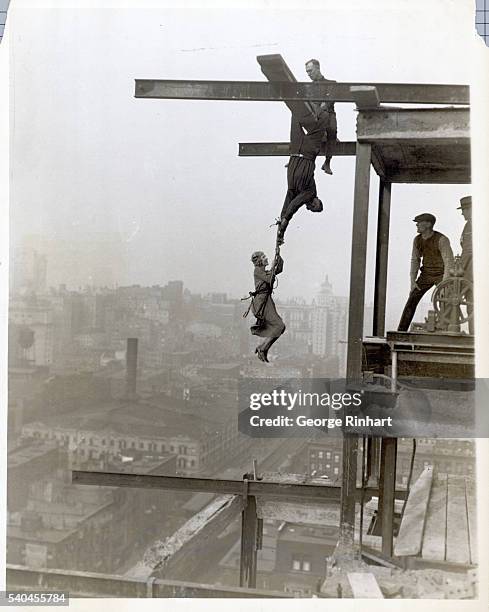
(447, 256)
(415, 262)
(263, 275)
(278, 264)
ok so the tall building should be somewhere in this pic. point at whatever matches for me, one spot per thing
(28, 271)
(31, 332)
(330, 324)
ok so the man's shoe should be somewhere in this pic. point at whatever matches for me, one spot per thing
(326, 167)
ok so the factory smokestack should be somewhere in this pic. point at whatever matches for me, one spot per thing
(131, 367)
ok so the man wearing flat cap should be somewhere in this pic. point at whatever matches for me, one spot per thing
(432, 257)
(466, 258)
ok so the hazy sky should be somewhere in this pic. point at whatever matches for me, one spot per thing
(164, 175)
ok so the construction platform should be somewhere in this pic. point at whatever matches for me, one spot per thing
(439, 524)
(424, 354)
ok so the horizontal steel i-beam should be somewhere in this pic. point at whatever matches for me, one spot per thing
(277, 490)
(264, 149)
(399, 93)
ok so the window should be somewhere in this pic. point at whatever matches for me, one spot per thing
(336, 458)
(141, 445)
(320, 454)
(301, 563)
(328, 455)
(336, 470)
(103, 441)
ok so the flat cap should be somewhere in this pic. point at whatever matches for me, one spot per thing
(465, 202)
(425, 217)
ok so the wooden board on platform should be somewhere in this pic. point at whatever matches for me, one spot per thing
(435, 533)
(409, 540)
(457, 524)
(449, 535)
(364, 586)
(470, 493)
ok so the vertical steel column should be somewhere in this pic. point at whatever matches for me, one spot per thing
(387, 490)
(249, 541)
(355, 335)
(381, 258)
(358, 262)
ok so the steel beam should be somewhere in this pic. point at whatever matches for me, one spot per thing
(381, 260)
(269, 149)
(279, 91)
(277, 490)
(358, 262)
(90, 584)
(388, 459)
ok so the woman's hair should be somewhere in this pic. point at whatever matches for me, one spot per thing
(256, 257)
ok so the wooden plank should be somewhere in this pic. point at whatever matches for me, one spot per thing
(276, 70)
(457, 524)
(364, 586)
(381, 260)
(470, 493)
(435, 532)
(458, 550)
(409, 540)
(310, 514)
(269, 149)
(358, 262)
(282, 91)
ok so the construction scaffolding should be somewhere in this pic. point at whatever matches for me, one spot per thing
(403, 145)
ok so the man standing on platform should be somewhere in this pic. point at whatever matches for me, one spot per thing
(432, 257)
(466, 258)
(313, 69)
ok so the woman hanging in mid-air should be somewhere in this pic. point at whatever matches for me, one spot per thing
(269, 324)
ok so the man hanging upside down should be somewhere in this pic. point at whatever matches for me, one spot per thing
(306, 133)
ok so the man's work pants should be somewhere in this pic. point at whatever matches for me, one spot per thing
(424, 283)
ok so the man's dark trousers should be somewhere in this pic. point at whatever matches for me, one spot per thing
(424, 282)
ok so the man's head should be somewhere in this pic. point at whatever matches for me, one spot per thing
(315, 205)
(466, 207)
(424, 222)
(258, 258)
(313, 70)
